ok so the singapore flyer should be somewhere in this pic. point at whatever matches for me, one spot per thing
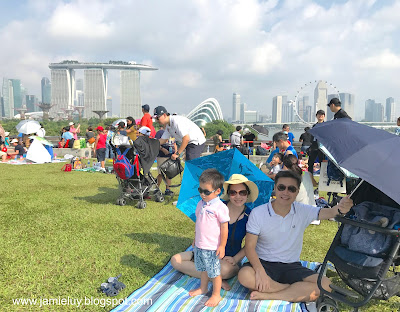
(311, 97)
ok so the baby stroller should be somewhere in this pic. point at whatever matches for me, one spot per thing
(141, 185)
(364, 252)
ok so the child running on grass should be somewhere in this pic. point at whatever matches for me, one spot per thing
(212, 217)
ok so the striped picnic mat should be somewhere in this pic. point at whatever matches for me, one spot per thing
(169, 289)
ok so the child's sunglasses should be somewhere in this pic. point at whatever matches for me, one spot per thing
(291, 188)
(206, 192)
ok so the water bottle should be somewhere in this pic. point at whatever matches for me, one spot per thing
(55, 156)
(88, 163)
(208, 148)
(254, 151)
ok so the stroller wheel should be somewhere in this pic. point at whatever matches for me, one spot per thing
(159, 198)
(141, 205)
(327, 305)
(121, 201)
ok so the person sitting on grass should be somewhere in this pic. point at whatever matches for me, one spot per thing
(274, 241)
(276, 165)
(3, 152)
(238, 191)
(19, 150)
(212, 217)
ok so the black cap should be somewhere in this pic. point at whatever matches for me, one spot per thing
(146, 107)
(160, 110)
(335, 101)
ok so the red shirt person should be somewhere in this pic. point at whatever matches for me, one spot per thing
(147, 120)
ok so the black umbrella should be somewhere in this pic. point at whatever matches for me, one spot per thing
(370, 153)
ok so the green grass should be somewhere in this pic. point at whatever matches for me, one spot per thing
(62, 236)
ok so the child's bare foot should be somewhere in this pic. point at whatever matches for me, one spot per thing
(225, 285)
(196, 292)
(213, 301)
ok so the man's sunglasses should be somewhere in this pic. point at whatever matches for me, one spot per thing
(206, 192)
(291, 188)
(241, 193)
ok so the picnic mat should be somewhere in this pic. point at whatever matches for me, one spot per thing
(169, 289)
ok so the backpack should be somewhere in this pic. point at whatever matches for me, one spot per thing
(334, 173)
(261, 151)
(122, 166)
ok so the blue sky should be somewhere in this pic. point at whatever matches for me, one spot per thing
(206, 48)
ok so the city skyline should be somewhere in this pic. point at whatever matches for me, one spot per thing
(256, 48)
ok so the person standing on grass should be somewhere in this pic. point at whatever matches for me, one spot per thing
(74, 130)
(281, 141)
(146, 120)
(314, 150)
(212, 217)
(238, 191)
(183, 130)
(100, 147)
(274, 241)
(286, 129)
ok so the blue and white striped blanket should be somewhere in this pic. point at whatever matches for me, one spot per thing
(169, 289)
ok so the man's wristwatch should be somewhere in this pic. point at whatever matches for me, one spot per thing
(177, 153)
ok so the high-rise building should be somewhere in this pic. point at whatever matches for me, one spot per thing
(277, 106)
(79, 84)
(30, 103)
(288, 112)
(320, 97)
(95, 91)
(1, 107)
(8, 98)
(390, 110)
(250, 117)
(17, 93)
(236, 107)
(63, 89)
(308, 116)
(109, 106)
(46, 90)
(131, 102)
(243, 107)
(373, 111)
(302, 103)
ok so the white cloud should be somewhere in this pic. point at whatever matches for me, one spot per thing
(206, 48)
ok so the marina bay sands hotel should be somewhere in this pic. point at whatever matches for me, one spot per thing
(95, 87)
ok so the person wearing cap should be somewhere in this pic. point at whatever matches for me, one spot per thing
(19, 150)
(336, 107)
(183, 130)
(274, 242)
(238, 192)
(74, 130)
(100, 147)
(7, 139)
(147, 120)
(41, 132)
(144, 131)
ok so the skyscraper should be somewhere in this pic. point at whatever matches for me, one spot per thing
(8, 98)
(109, 106)
(131, 102)
(95, 91)
(46, 90)
(30, 103)
(236, 107)
(63, 89)
(17, 92)
(373, 111)
(277, 107)
(320, 97)
(287, 111)
(390, 110)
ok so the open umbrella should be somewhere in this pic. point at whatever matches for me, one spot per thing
(26, 121)
(227, 162)
(29, 127)
(367, 152)
(115, 123)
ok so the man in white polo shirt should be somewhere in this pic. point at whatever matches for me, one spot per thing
(274, 241)
(183, 130)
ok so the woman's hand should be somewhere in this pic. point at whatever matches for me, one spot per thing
(230, 260)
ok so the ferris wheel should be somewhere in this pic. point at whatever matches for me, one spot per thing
(309, 88)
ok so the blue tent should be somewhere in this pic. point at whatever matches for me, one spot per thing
(227, 162)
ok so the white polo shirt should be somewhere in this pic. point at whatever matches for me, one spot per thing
(180, 126)
(280, 239)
